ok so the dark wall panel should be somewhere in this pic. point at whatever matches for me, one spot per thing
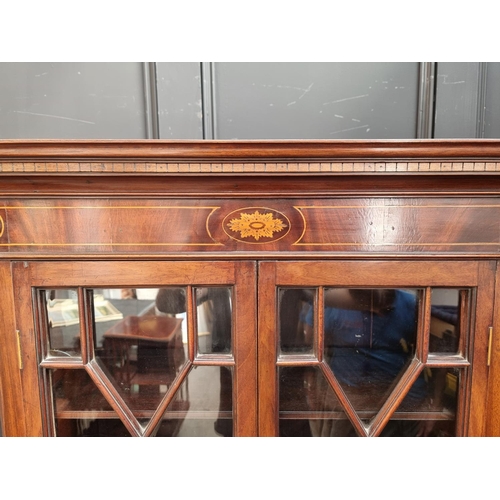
(180, 112)
(293, 100)
(458, 100)
(492, 101)
(315, 100)
(72, 100)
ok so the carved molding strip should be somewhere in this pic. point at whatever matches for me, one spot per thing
(289, 167)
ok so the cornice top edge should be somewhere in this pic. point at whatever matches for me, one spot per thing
(247, 150)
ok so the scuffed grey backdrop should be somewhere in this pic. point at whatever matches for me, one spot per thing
(199, 100)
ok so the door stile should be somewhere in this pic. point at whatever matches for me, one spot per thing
(267, 350)
(493, 405)
(478, 350)
(13, 417)
(30, 374)
(245, 350)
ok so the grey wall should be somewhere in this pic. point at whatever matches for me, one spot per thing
(72, 100)
(302, 100)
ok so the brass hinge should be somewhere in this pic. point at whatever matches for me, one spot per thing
(490, 342)
(19, 350)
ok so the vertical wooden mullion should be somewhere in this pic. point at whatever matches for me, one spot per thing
(424, 326)
(465, 319)
(268, 409)
(245, 349)
(39, 300)
(49, 423)
(464, 311)
(192, 333)
(85, 324)
(320, 324)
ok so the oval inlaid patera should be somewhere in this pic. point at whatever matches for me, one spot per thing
(2, 226)
(257, 225)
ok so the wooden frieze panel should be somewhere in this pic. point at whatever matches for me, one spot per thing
(82, 226)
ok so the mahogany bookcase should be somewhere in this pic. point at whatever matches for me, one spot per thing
(268, 222)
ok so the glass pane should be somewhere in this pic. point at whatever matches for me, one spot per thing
(213, 320)
(202, 406)
(434, 415)
(308, 405)
(142, 357)
(296, 336)
(445, 320)
(80, 409)
(139, 343)
(370, 337)
(63, 322)
(112, 305)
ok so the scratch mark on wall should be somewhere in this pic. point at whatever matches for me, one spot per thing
(306, 91)
(445, 82)
(349, 129)
(54, 116)
(346, 99)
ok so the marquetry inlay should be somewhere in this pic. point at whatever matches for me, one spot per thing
(256, 225)
(251, 225)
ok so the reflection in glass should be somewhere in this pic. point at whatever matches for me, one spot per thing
(434, 416)
(63, 322)
(80, 409)
(213, 319)
(142, 357)
(202, 406)
(370, 337)
(138, 345)
(308, 406)
(112, 305)
(445, 320)
(296, 336)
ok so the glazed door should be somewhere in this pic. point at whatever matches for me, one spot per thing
(374, 348)
(137, 348)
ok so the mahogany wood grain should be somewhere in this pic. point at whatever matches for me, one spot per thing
(245, 350)
(31, 397)
(13, 415)
(363, 225)
(374, 273)
(245, 186)
(493, 402)
(130, 274)
(94, 150)
(267, 353)
(478, 350)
